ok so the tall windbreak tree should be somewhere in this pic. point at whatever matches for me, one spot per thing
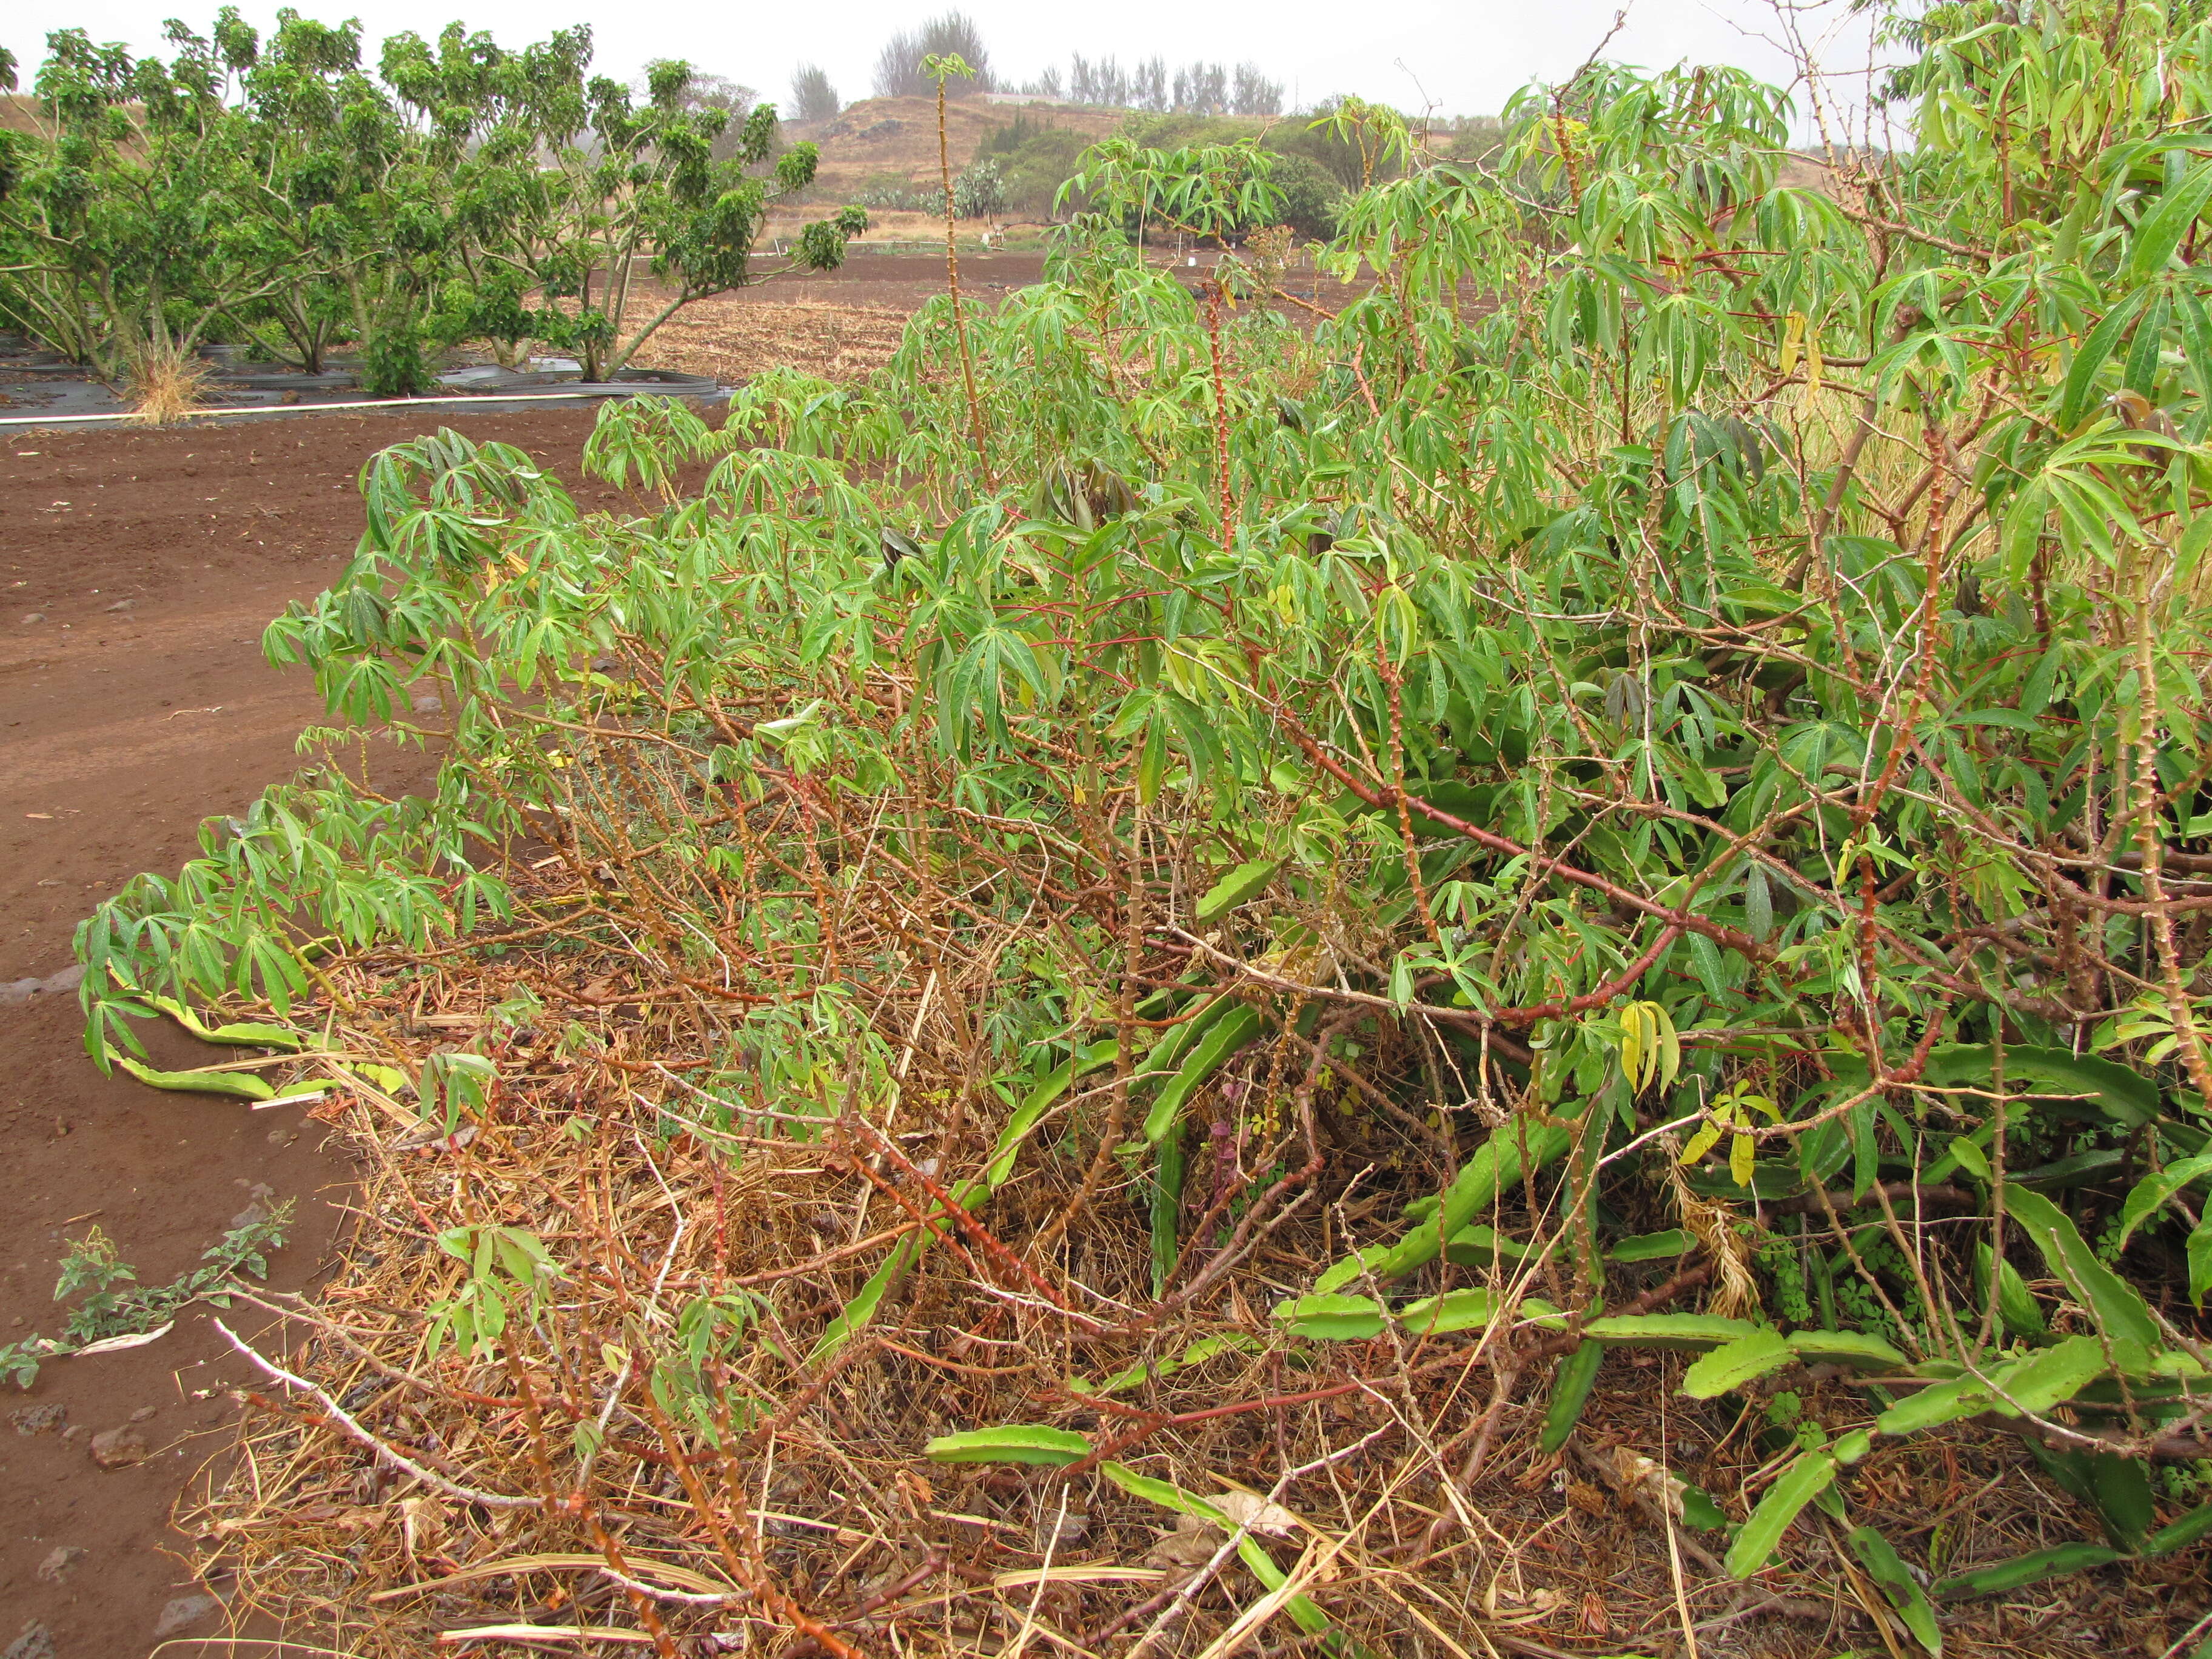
(1641, 785)
(812, 97)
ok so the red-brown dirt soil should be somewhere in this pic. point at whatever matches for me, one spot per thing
(139, 569)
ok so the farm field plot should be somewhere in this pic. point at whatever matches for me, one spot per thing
(840, 325)
(1517, 962)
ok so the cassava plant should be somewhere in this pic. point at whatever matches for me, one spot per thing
(941, 68)
(1673, 823)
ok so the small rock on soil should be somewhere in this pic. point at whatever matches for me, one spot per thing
(118, 1448)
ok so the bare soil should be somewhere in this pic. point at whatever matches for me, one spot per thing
(897, 137)
(139, 569)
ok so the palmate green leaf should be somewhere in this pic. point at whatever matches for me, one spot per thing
(241, 1033)
(2089, 358)
(1796, 1486)
(1013, 1443)
(2161, 230)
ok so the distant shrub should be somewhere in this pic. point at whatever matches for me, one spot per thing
(1034, 156)
(1196, 88)
(1335, 154)
(1312, 199)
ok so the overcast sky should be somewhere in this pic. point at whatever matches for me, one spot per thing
(1461, 59)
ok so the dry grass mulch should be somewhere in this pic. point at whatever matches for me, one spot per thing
(734, 342)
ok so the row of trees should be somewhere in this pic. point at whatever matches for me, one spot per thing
(281, 194)
(1032, 158)
(1196, 88)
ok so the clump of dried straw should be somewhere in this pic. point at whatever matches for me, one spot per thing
(668, 1450)
(167, 383)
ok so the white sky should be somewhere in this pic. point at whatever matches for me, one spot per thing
(1466, 57)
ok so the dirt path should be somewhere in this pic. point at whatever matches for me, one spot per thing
(139, 570)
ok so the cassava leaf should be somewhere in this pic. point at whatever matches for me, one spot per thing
(244, 1085)
(1012, 1443)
